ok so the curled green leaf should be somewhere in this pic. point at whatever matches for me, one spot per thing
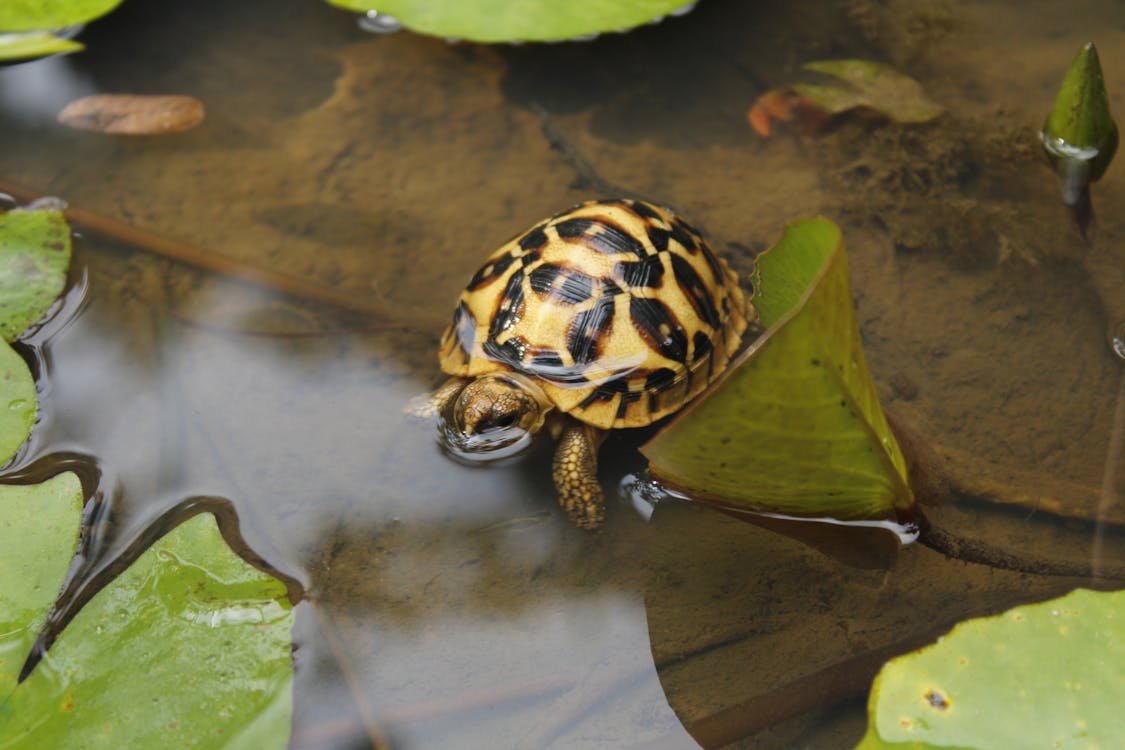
(794, 426)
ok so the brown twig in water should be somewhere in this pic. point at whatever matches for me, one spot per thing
(974, 551)
(208, 260)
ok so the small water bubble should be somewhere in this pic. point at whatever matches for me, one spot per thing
(1118, 340)
(644, 494)
(375, 22)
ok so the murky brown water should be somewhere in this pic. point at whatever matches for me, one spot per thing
(456, 606)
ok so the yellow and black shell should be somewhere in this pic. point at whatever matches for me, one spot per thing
(618, 309)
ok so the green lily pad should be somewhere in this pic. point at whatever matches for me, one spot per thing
(864, 83)
(794, 425)
(39, 527)
(44, 15)
(189, 647)
(19, 404)
(34, 44)
(34, 257)
(1043, 675)
(527, 20)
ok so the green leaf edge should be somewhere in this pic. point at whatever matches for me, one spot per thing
(18, 419)
(44, 15)
(32, 232)
(37, 44)
(518, 26)
(58, 504)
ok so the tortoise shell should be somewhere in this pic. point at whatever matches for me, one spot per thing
(618, 309)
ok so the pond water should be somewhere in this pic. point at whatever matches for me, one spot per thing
(257, 299)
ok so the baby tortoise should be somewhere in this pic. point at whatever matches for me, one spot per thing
(610, 315)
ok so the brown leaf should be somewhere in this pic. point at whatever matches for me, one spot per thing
(129, 114)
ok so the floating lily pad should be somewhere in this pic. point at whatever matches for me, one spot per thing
(864, 83)
(44, 15)
(189, 647)
(34, 44)
(1043, 675)
(39, 527)
(18, 402)
(529, 20)
(34, 258)
(794, 426)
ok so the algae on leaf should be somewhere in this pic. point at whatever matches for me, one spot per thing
(794, 426)
(1042, 675)
(34, 258)
(189, 647)
(529, 20)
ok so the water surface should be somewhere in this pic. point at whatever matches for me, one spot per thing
(453, 606)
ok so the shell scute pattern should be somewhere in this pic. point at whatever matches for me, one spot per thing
(619, 309)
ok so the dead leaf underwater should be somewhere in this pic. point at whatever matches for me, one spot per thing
(133, 114)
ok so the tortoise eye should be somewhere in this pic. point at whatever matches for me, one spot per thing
(506, 421)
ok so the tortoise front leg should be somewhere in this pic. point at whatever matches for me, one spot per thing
(432, 404)
(576, 474)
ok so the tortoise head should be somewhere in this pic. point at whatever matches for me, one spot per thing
(495, 416)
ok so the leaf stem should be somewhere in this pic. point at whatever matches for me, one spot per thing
(208, 260)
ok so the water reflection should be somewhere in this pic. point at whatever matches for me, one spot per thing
(379, 23)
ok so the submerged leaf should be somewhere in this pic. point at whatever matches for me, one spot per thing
(1042, 675)
(530, 20)
(34, 44)
(18, 402)
(189, 647)
(39, 527)
(870, 84)
(34, 258)
(794, 425)
(133, 114)
(862, 84)
(44, 15)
